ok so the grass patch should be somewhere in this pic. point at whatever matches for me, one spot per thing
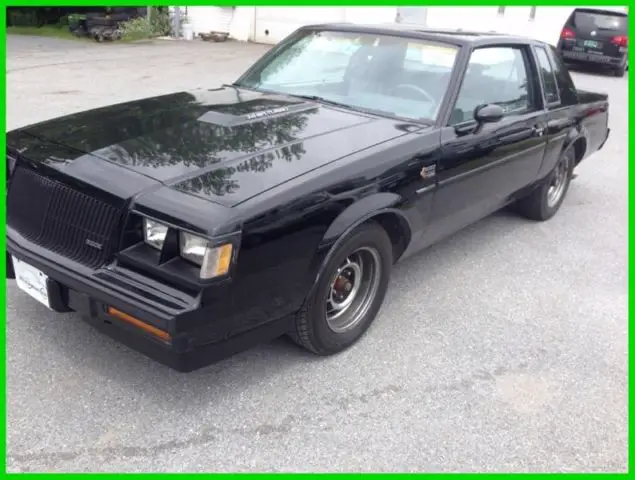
(46, 31)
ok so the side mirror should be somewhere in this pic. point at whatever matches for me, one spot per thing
(490, 113)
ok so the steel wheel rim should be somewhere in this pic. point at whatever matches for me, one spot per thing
(558, 182)
(352, 289)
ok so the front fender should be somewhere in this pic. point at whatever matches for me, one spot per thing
(361, 211)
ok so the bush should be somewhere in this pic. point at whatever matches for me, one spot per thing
(136, 29)
(63, 22)
(74, 19)
(140, 28)
(161, 21)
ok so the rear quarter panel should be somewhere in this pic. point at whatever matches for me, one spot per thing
(593, 114)
(580, 116)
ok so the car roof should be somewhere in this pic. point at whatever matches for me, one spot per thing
(457, 37)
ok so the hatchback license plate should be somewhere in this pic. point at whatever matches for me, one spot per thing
(591, 43)
(32, 281)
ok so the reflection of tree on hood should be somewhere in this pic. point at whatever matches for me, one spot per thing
(219, 181)
(198, 144)
(166, 131)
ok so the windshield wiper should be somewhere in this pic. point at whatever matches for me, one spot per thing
(317, 98)
(326, 101)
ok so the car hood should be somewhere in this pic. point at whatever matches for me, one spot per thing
(226, 145)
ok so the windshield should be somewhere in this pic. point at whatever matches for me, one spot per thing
(399, 77)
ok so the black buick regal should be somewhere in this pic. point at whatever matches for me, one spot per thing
(194, 225)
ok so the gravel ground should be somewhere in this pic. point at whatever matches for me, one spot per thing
(502, 349)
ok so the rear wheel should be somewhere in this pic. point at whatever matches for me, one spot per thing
(543, 202)
(620, 71)
(349, 293)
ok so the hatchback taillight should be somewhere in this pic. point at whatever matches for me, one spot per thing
(567, 33)
(620, 40)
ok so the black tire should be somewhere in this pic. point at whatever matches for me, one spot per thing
(540, 205)
(620, 71)
(312, 329)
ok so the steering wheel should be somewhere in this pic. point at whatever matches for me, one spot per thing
(416, 89)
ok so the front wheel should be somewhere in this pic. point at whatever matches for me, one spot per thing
(543, 202)
(349, 293)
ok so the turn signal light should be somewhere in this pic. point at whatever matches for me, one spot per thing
(157, 332)
(567, 33)
(620, 40)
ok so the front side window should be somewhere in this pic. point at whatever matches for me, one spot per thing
(494, 75)
(401, 77)
(547, 75)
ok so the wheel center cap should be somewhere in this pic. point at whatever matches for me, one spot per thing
(343, 284)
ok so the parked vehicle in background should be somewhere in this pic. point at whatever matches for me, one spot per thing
(196, 224)
(596, 37)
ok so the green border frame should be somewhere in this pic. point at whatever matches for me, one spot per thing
(52, 3)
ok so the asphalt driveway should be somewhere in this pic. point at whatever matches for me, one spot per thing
(502, 349)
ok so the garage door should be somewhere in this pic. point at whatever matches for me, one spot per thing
(272, 24)
(210, 19)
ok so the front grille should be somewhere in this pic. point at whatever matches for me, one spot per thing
(61, 219)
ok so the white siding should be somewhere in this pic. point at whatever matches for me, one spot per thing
(370, 15)
(516, 20)
(272, 24)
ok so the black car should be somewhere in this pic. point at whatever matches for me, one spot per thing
(196, 224)
(596, 37)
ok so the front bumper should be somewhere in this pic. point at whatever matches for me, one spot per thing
(94, 298)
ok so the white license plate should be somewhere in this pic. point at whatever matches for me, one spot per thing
(30, 280)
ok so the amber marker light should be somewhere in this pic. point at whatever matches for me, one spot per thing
(224, 259)
(157, 332)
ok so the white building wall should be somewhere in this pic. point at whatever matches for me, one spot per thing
(241, 27)
(272, 24)
(545, 26)
(370, 15)
(280, 21)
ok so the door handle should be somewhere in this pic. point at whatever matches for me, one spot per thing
(538, 130)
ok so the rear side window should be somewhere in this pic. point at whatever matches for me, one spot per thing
(548, 76)
(566, 87)
(589, 19)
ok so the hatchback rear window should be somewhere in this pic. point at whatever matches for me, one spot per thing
(599, 20)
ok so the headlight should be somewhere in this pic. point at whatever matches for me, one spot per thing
(154, 233)
(214, 261)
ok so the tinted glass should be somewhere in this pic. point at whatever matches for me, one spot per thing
(392, 75)
(597, 20)
(494, 75)
(567, 90)
(548, 77)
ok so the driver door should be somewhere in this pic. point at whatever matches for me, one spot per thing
(482, 166)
